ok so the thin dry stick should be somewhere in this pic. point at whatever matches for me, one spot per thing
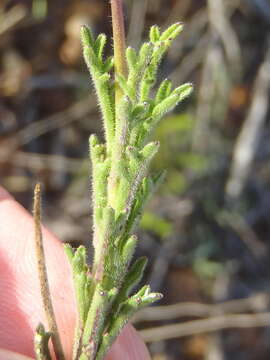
(191, 61)
(196, 26)
(180, 8)
(8, 148)
(11, 18)
(251, 132)
(137, 22)
(217, 323)
(219, 20)
(58, 120)
(245, 233)
(39, 162)
(213, 60)
(256, 303)
(43, 277)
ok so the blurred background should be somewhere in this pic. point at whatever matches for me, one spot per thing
(207, 229)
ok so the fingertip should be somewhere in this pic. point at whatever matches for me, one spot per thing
(4, 195)
(129, 346)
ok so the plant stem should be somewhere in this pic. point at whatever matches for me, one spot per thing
(121, 183)
(95, 321)
(119, 42)
(43, 277)
(120, 69)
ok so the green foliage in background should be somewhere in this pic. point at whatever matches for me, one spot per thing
(39, 9)
(156, 224)
(174, 134)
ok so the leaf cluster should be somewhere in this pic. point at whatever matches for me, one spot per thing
(121, 186)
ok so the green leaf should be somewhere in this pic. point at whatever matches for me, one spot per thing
(172, 32)
(183, 91)
(171, 101)
(95, 319)
(141, 198)
(104, 78)
(79, 260)
(100, 79)
(136, 74)
(129, 248)
(149, 151)
(144, 297)
(140, 111)
(128, 309)
(122, 127)
(80, 283)
(163, 91)
(133, 277)
(108, 64)
(158, 179)
(121, 80)
(132, 59)
(69, 252)
(99, 45)
(134, 159)
(88, 292)
(92, 62)
(87, 36)
(150, 75)
(145, 54)
(165, 106)
(154, 33)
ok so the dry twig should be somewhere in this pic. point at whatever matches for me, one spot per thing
(39, 162)
(206, 325)
(191, 309)
(43, 277)
(248, 139)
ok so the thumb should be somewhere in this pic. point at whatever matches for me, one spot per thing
(9, 355)
(21, 306)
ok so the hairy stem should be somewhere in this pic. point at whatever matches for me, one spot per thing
(43, 277)
(119, 40)
(121, 69)
(121, 182)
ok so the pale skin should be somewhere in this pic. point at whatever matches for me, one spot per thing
(20, 302)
